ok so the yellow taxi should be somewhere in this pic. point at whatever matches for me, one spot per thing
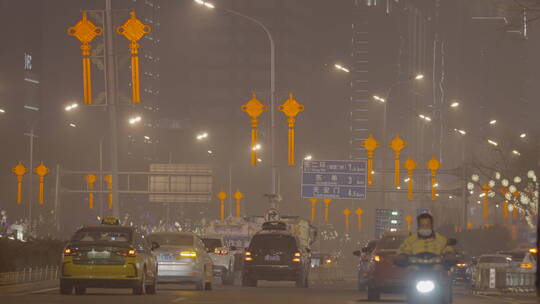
(108, 256)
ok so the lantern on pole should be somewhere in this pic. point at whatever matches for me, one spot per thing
(222, 196)
(409, 221)
(41, 171)
(134, 30)
(359, 213)
(109, 180)
(434, 165)
(19, 170)
(291, 108)
(410, 165)
(370, 144)
(326, 202)
(90, 180)
(85, 31)
(238, 196)
(254, 108)
(397, 144)
(313, 205)
(347, 212)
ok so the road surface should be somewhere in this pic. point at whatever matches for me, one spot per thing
(267, 293)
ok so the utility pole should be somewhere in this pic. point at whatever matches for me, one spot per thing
(31, 135)
(111, 90)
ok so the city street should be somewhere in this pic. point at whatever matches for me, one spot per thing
(267, 293)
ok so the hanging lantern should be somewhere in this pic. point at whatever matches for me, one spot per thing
(505, 183)
(517, 179)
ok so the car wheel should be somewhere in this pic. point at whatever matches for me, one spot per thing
(373, 294)
(80, 290)
(139, 288)
(151, 289)
(208, 286)
(66, 288)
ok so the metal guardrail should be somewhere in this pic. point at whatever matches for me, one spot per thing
(504, 280)
(29, 275)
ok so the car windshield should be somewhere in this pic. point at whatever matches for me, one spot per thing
(273, 241)
(102, 234)
(212, 244)
(390, 242)
(493, 259)
(171, 239)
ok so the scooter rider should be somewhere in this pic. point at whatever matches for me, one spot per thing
(425, 240)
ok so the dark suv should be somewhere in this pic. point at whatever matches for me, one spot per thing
(274, 254)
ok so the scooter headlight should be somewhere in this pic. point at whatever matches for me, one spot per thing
(425, 286)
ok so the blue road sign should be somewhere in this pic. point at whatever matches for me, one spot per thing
(335, 179)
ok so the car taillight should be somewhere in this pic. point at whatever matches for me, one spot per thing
(296, 260)
(248, 257)
(526, 266)
(127, 253)
(297, 254)
(70, 252)
(377, 258)
(328, 261)
(217, 251)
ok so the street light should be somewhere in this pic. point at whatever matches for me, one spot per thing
(135, 120)
(454, 104)
(257, 147)
(210, 151)
(341, 68)
(523, 135)
(71, 107)
(419, 77)
(202, 136)
(462, 132)
(492, 142)
(516, 152)
(493, 122)
(72, 125)
(273, 107)
(308, 157)
(380, 99)
(2, 111)
(424, 117)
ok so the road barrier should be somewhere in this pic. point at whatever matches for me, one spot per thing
(326, 274)
(29, 275)
(503, 280)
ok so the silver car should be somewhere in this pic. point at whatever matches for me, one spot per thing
(182, 258)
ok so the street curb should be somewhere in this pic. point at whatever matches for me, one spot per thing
(28, 287)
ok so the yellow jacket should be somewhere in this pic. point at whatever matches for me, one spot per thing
(414, 245)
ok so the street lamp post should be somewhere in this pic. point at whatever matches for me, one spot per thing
(273, 165)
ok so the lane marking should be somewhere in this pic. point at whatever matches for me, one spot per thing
(178, 300)
(44, 290)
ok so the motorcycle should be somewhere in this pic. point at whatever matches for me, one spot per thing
(428, 278)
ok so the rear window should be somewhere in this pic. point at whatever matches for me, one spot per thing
(171, 239)
(212, 244)
(390, 242)
(103, 234)
(493, 259)
(273, 241)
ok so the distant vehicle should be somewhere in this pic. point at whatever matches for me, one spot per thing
(364, 257)
(495, 261)
(108, 256)
(276, 254)
(182, 258)
(320, 259)
(382, 275)
(524, 260)
(222, 258)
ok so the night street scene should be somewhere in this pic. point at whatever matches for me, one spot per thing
(269, 151)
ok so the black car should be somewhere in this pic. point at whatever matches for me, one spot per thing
(275, 254)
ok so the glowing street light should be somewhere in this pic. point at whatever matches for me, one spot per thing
(492, 142)
(147, 137)
(2, 111)
(202, 136)
(210, 152)
(462, 132)
(424, 117)
(493, 122)
(454, 104)
(135, 120)
(257, 147)
(341, 68)
(72, 125)
(380, 99)
(516, 152)
(523, 135)
(71, 107)
(207, 4)
(259, 160)
(419, 77)
(308, 157)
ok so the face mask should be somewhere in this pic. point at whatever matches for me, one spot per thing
(425, 232)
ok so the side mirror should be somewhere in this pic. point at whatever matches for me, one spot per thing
(356, 253)
(452, 242)
(154, 246)
(233, 248)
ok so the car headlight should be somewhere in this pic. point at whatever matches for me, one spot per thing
(425, 286)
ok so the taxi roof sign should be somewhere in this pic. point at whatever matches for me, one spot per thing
(110, 220)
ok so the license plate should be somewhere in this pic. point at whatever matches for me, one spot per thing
(166, 257)
(98, 254)
(272, 258)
